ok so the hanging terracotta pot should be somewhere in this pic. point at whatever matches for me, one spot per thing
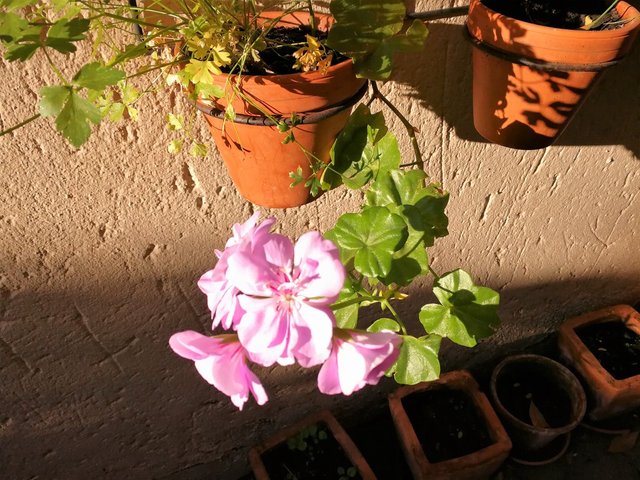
(613, 391)
(258, 161)
(315, 447)
(529, 80)
(539, 400)
(448, 429)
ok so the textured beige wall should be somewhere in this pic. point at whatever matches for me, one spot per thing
(101, 248)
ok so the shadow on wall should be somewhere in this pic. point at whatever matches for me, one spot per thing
(441, 79)
(106, 377)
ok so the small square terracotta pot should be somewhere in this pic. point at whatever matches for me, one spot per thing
(474, 466)
(610, 396)
(325, 417)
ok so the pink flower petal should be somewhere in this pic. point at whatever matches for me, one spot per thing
(357, 359)
(222, 363)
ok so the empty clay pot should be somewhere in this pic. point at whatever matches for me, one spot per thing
(538, 400)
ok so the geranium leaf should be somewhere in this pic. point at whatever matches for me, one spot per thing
(467, 312)
(363, 151)
(370, 237)
(369, 31)
(418, 360)
(383, 324)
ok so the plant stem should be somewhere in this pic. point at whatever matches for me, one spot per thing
(21, 124)
(410, 128)
(433, 272)
(54, 67)
(387, 304)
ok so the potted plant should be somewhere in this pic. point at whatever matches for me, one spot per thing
(273, 301)
(540, 402)
(317, 447)
(448, 429)
(534, 62)
(604, 347)
(276, 82)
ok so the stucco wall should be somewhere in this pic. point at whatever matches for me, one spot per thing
(101, 248)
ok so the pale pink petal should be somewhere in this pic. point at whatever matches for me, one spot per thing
(328, 378)
(193, 345)
(251, 274)
(278, 251)
(357, 359)
(222, 363)
(320, 272)
(314, 327)
(265, 331)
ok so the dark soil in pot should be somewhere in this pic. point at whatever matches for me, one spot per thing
(312, 454)
(447, 423)
(568, 14)
(529, 396)
(282, 43)
(616, 347)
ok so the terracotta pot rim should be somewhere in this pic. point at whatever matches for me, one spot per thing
(512, 359)
(624, 313)
(461, 380)
(625, 10)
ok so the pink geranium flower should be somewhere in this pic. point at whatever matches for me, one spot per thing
(222, 362)
(221, 295)
(286, 294)
(357, 359)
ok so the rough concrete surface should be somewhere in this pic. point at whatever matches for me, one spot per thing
(102, 246)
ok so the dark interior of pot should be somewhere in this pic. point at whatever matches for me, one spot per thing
(537, 394)
(614, 345)
(568, 14)
(447, 423)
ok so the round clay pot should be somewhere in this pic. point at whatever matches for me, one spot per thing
(551, 387)
(529, 80)
(257, 160)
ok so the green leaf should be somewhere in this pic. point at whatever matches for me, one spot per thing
(371, 237)
(16, 4)
(423, 207)
(418, 360)
(64, 32)
(198, 150)
(467, 312)
(347, 317)
(364, 150)
(205, 90)
(383, 324)
(11, 26)
(73, 120)
(53, 99)
(370, 31)
(130, 52)
(97, 77)
(175, 122)
(174, 147)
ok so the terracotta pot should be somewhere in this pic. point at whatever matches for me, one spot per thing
(547, 385)
(324, 417)
(529, 80)
(610, 396)
(478, 465)
(257, 160)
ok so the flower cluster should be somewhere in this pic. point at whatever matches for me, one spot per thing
(276, 296)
